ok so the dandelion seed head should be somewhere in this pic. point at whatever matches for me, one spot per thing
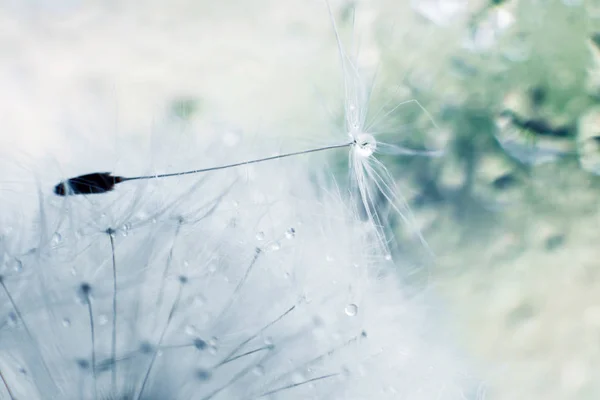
(246, 283)
(271, 306)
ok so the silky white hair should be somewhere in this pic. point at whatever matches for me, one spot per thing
(255, 282)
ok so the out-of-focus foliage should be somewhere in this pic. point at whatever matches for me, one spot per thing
(512, 208)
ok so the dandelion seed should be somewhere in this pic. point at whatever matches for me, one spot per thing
(102, 182)
(369, 176)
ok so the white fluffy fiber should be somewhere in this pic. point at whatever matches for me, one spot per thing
(255, 282)
(292, 307)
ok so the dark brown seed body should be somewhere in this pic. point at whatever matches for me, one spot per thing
(97, 182)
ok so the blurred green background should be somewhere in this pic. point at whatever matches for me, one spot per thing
(512, 210)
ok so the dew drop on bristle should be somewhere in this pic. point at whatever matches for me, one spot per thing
(18, 265)
(290, 233)
(125, 229)
(56, 238)
(191, 330)
(364, 145)
(351, 310)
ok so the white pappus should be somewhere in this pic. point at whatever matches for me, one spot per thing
(243, 283)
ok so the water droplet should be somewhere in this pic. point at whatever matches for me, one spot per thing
(66, 322)
(290, 233)
(351, 310)
(56, 238)
(364, 145)
(18, 265)
(102, 319)
(212, 346)
(388, 257)
(260, 236)
(329, 258)
(275, 246)
(124, 230)
(186, 263)
(191, 330)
